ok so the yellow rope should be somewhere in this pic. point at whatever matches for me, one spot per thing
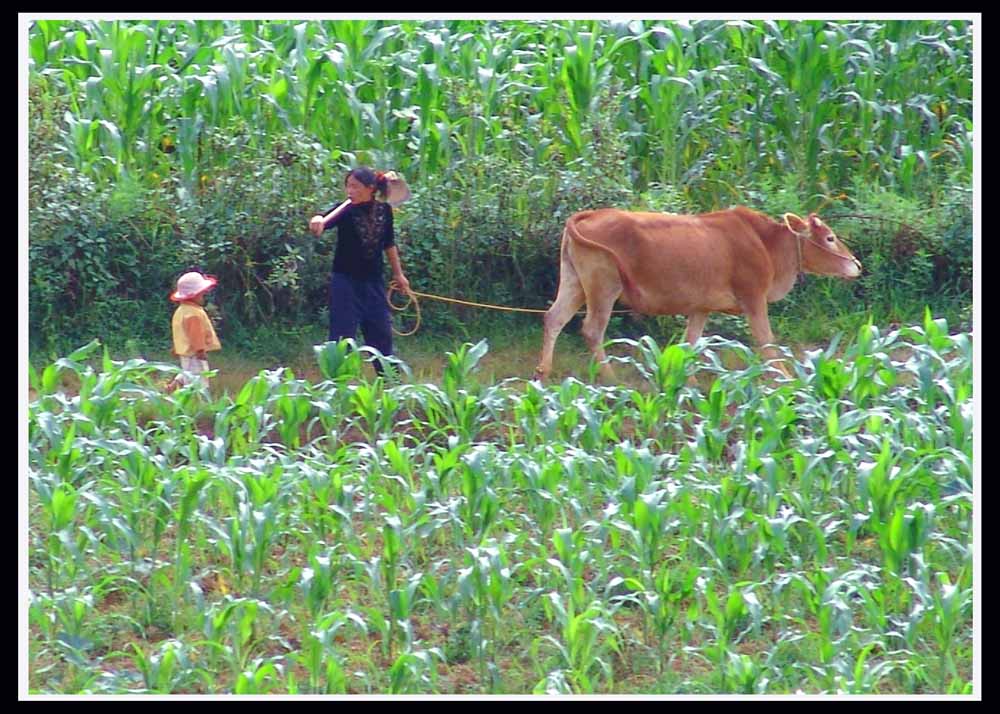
(394, 287)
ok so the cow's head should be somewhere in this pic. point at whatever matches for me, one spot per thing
(822, 251)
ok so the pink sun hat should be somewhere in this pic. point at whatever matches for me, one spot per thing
(191, 285)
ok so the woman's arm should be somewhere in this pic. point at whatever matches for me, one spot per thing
(393, 252)
(321, 221)
(316, 225)
(397, 269)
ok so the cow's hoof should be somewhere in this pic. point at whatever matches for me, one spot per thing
(778, 371)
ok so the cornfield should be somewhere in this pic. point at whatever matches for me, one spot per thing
(357, 536)
(700, 104)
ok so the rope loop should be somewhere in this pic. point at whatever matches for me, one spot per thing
(412, 298)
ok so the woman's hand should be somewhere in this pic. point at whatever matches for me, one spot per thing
(316, 225)
(402, 282)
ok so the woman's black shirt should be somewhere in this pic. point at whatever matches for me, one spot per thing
(364, 231)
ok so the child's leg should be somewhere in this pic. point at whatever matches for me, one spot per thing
(192, 367)
(180, 379)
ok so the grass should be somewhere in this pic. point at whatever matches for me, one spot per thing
(514, 347)
(511, 355)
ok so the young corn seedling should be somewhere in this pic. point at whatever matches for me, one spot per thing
(60, 504)
(316, 582)
(859, 676)
(724, 539)
(460, 412)
(905, 534)
(951, 606)
(193, 480)
(871, 368)
(318, 656)
(339, 361)
(383, 573)
(169, 669)
(376, 409)
(485, 587)
(535, 416)
(426, 402)
(727, 618)
(834, 615)
(480, 503)
(266, 524)
(582, 642)
(140, 494)
(67, 461)
(231, 628)
(260, 677)
(773, 532)
(414, 670)
(460, 367)
(746, 676)
(246, 421)
(660, 596)
(71, 609)
(315, 496)
(543, 485)
(291, 412)
(581, 414)
(667, 370)
(711, 435)
(879, 485)
(400, 459)
(401, 603)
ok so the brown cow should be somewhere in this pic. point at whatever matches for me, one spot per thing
(733, 261)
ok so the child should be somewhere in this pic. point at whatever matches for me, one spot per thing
(192, 329)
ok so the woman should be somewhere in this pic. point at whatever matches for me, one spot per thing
(357, 291)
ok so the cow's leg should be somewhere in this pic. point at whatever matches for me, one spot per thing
(695, 326)
(568, 300)
(760, 328)
(599, 308)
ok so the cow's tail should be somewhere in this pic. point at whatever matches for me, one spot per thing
(629, 288)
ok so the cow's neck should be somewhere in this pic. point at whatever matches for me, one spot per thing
(782, 246)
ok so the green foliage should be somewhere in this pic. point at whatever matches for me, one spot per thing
(166, 145)
(424, 93)
(812, 533)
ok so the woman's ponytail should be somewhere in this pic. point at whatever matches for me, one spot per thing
(381, 183)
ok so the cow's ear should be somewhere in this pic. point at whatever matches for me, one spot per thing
(796, 224)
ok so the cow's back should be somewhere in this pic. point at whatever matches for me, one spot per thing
(676, 264)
